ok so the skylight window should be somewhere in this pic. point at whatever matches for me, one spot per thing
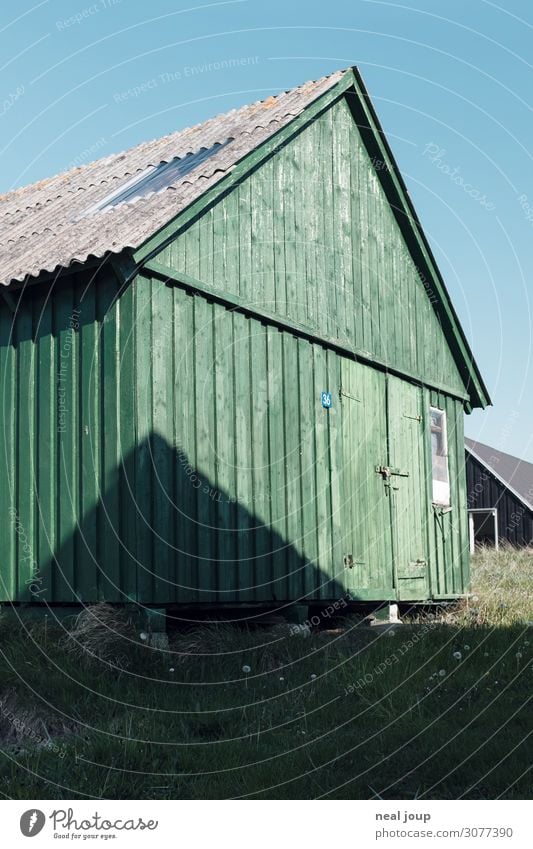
(156, 178)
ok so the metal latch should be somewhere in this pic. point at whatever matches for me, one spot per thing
(387, 471)
(350, 561)
(343, 394)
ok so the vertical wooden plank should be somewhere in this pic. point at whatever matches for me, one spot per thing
(386, 292)
(288, 164)
(374, 272)
(46, 458)
(90, 443)
(109, 513)
(178, 260)
(461, 516)
(322, 474)
(277, 469)
(335, 566)
(127, 439)
(245, 201)
(308, 493)
(221, 245)
(322, 248)
(292, 439)
(327, 304)
(26, 536)
(366, 293)
(245, 519)
(263, 212)
(352, 293)
(143, 461)
(311, 210)
(224, 448)
(300, 197)
(206, 269)
(163, 457)
(8, 490)
(341, 224)
(355, 225)
(280, 189)
(66, 428)
(233, 271)
(192, 243)
(260, 388)
(185, 442)
(205, 352)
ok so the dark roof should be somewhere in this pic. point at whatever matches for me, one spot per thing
(515, 474)
(44, 226)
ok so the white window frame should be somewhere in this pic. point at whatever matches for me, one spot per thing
(441, 495)
(471, 531)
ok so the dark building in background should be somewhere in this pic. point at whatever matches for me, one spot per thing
(499, 496)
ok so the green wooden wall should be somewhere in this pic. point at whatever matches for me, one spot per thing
(67, 384)
(158, 447)
(161, 447)
(311, 236)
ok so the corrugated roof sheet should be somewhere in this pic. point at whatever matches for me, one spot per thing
(516, 473)
(40, 225)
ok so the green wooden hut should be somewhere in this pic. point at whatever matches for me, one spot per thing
(231, 373)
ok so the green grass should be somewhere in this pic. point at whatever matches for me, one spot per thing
(386, 716)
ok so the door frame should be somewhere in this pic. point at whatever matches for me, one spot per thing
(471, 532)
(422, 470)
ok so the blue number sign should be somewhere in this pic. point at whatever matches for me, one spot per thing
(326, 400)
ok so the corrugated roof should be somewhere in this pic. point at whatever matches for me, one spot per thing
(40, 225)
(514, 473)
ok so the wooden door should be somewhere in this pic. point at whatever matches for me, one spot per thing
(408, 488)
(367, 537)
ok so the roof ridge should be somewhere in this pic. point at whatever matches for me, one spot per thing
(474, 442)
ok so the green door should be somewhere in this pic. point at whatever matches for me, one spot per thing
(385, 491)
(408, 489)
(367, 537)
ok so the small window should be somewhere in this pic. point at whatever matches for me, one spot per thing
(439, 458)
(155, 178)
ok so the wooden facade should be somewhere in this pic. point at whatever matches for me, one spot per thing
(499, 497)
(246, 399)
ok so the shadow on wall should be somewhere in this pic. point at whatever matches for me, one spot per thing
(162, 533)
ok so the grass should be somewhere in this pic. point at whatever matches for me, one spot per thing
(343, 713)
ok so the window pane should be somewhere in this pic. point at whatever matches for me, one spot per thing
(156, 178)
(439, 457)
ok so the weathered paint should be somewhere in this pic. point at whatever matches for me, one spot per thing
(166, 442)
(311, 236)
(196, 463)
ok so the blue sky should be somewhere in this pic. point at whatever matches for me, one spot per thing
(451, 82)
